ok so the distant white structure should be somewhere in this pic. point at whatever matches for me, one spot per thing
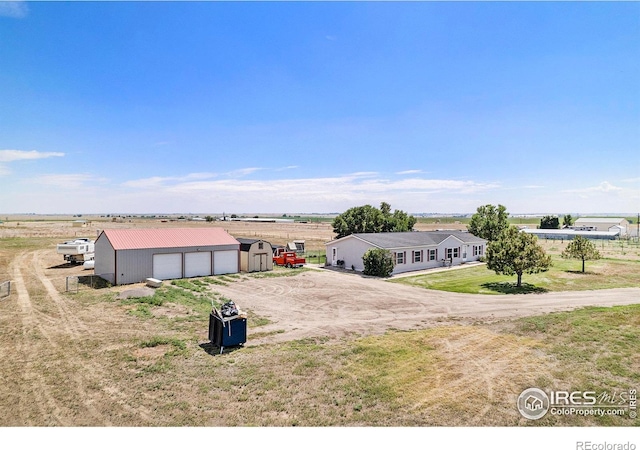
(614, 224)
(569, 233)
(260, 219)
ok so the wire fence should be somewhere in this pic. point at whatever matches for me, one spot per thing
(5, 289)
(74, 283)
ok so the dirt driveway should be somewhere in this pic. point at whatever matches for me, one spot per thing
(326, 303)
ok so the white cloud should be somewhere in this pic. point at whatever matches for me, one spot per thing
(323, 194)
(409, 172)
(18, 155)
(148, 183)
(605, 187)
(69, 180)
(159, 182)
(244, 172)
(8, 156)
(14, 9)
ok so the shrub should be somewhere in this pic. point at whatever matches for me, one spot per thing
(378, 262)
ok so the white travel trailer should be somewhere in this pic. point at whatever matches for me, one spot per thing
(77, 251)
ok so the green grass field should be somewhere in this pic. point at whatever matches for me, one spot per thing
(564, 275)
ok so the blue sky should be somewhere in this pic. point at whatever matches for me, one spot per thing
(291, 107)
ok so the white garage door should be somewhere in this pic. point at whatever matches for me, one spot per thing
(167, 266)
(225, 261)
(197, 264)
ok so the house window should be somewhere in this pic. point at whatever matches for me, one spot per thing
(260, 245)
(433, 255)
(417, 256)
(452, 252)
(399, 257)
(477, 250)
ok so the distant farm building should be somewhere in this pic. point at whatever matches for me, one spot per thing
(412, 250)
(602, 224)
(256, 255)
(79, 223)
(124, 256)
(569, 233)
(587, 227)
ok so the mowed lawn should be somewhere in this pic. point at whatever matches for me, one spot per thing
(564, 275)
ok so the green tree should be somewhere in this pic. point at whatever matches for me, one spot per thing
(378, 262)
(368, 219)
(396, 222)
(567, 220)
(515, 253)
(549, 223)
(489, 221)
(581, 248)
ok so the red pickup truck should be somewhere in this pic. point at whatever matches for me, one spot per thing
(287, 259)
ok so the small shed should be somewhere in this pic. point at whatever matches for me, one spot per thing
(256, 255)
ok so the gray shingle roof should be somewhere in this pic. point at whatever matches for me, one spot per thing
(415, 238)
(246, 243)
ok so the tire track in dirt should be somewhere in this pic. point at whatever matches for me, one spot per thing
(34, 391)
(29, 322)
(36, 388)
(74, 326)
(499, 363)
(327, 303)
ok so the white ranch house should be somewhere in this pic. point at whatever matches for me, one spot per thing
(411, 250)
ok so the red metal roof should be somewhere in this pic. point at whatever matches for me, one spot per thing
(130, 239)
